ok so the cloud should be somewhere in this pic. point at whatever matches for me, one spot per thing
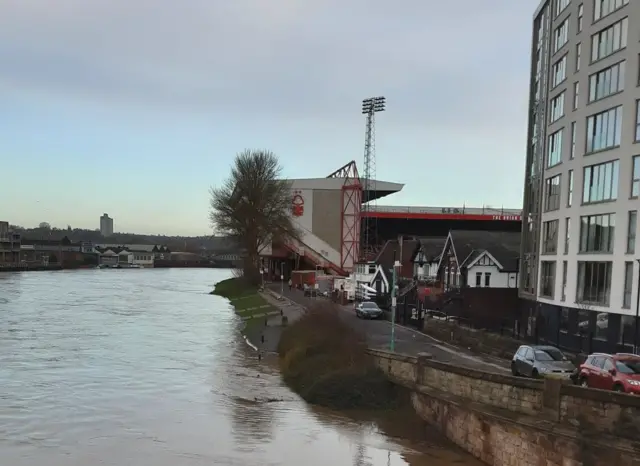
(442, 63)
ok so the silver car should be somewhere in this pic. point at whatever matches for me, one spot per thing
(368, 310)
(535, 361)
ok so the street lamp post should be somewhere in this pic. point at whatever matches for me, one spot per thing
(636, 332)
(282, 278)
(394, 294)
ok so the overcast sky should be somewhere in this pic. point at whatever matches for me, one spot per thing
(136, 107)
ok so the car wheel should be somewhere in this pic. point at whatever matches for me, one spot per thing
(584, 382)
(618, 388)
(514, 371)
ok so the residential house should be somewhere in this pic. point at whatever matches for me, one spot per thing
(426, 258)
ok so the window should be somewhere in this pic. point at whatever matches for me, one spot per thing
(573, 141)
(601, 182)
(547, 278)
(487, 279)
(628, 285)
(564, 319)
(637, 138)
(550, 237)
(608, 41)
(578, 55)
(580, 15)
(567, 234)
(627, 329)
(607, 82)
(557, 107)
(631, 231)
(604, 129)
(478, 279)
(555, 149)
(635, 177)
(570, 189)
(564, 281)
(561, 35)
(576, 95)
(606, 7)
(552, 193)
(597, 233)
(559, 71)
(560, 6)
(594, 283)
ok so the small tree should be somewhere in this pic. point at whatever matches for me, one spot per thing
(253, 207)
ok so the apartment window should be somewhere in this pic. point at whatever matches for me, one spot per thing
(570, 189)
(478, 279)
(555, 149)
(637, 138)
(552, 193)
(606, 7)
(607, 82)
(604, 129)
(567, 234)
(559, 71)
(600, 182)
(557, 107)
(560, 6)
(580, 16)
(594, 283)
(576, 95)
(487, 279)
(635, 177)
(573, 141)
(597, 233)
(609, 40)
(550, 237)
(578, 55)
(628, 285)
(632, 224)
(547, 278)
(564, 281)
(561, 35)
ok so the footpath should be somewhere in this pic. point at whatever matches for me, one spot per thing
(378, 332)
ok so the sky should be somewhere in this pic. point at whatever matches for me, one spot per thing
(137, 107)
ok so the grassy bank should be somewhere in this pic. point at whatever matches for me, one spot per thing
(324, 360)
(245, 299)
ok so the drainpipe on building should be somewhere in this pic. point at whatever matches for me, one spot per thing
(637, 327)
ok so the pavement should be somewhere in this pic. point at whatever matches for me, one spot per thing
(407, 340)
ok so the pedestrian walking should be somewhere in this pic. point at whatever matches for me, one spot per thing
(290, 284)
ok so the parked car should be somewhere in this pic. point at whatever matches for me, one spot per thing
(536, 360)
(368, 310)
(619, 372)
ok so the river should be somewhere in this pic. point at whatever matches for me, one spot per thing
(144, 367)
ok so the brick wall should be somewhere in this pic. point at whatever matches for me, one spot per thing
(506, 420)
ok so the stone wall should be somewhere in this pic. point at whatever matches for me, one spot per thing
(506, 420)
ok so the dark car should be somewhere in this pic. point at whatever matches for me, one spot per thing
(619, 372)
(369, 310)
(536, 360)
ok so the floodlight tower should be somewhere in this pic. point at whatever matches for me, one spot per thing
(370, 107)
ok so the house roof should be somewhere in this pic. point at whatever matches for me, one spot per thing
(392, 248)
(430, 247)
(504, 246)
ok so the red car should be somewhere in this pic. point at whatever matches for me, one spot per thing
(619, 372)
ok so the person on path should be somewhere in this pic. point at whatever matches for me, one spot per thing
(290, 284)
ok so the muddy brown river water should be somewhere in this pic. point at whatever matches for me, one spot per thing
(143, 367)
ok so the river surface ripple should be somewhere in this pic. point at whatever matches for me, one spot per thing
(144, 367)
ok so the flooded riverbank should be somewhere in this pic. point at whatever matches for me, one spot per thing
(144, 367)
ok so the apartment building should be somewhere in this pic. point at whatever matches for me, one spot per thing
(580, 258)
(106, 225)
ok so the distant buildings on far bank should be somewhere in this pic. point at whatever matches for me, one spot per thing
(106, 225)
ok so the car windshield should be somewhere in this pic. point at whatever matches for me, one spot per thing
(549, 354)
(369, 305)
(629, 366)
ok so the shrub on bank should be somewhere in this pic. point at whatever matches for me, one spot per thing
(324, 360)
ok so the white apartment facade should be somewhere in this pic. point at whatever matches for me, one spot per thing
(580, 253)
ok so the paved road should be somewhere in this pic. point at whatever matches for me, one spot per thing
(408, 341)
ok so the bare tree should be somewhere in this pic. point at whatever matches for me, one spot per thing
(253, 206)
